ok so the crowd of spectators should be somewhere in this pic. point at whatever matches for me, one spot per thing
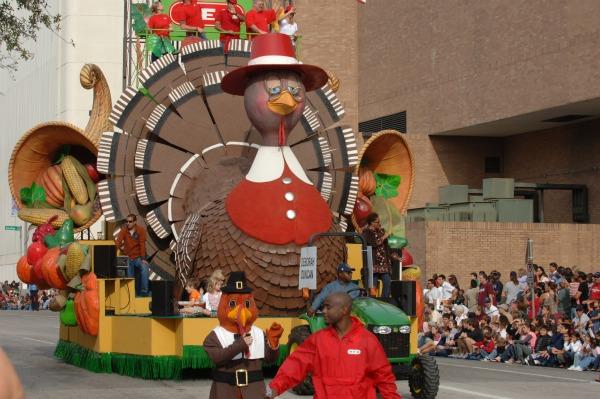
(13, 297)
(554, 322)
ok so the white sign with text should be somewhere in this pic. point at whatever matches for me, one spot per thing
(307, 276)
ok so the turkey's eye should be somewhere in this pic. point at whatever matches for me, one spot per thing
(232, 304)
(247, 303)
(273, 85)
(273, 91)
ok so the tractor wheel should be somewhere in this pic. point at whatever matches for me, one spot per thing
(297, 336)
(424, 379)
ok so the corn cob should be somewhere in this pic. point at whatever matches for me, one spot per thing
(89, 183)
(75, 256)
(39, 216)
(74, 180)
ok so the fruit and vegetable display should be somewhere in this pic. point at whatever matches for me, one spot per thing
(66, 190)
(55, 260)
(385, 181)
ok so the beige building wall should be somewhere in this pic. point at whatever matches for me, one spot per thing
(457, 64)
(330, 32)
(464, 247)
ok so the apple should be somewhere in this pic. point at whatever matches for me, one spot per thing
(362, 209)
(35, 252)
(92, 172)
(37, 277)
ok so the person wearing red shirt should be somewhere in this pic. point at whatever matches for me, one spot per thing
(259, 18)
(191, 21)
(485, 290)
(160, 26)
(595, 290)
(345, 359)
(228, 21)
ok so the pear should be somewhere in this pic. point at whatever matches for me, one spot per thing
(81, 214)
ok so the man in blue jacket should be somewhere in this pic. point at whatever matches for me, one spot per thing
(342, 284)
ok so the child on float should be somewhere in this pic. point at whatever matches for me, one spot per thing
(213, 294)
(195, 304)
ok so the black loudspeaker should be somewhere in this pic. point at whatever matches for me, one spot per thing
(162, 297)
(105, 260)
(396, 270)
(405, 294)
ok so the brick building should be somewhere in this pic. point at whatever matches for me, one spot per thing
(516, 82)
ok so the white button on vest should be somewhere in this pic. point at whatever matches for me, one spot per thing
(289, 196)
(290, 214)
(286, 180)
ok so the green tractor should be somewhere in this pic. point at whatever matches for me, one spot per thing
(396, 331)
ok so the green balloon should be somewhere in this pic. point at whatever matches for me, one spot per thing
(397, 242)
(67, 315)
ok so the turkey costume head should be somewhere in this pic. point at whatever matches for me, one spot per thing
(274, 84)
(237, 310)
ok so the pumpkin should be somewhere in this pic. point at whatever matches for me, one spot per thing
(87, 305)
(37, 277)
(366, 181)
(67, 315)
(51, 180)
(24, 270)
(51, 270)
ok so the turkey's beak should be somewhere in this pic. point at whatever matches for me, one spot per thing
(284, 104)
(239, 315)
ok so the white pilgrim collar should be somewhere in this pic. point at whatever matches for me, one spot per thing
(269, 162)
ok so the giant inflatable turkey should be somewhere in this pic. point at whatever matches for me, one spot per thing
(233, 167)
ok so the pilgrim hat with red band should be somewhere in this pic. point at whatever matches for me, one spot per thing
(273, 52)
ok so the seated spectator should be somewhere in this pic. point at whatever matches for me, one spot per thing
(541, 344)
(584, 357)
(484, 348)
(581, 320)
(572, 345)
(490, 310)
(213, 292)
(548, 358)
(470, 335)
(520, 349)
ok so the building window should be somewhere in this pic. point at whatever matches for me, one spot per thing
(493, 165)
(395, 122)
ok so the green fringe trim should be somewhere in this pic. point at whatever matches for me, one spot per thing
(82, 357)
(195, 357)
(140, 366)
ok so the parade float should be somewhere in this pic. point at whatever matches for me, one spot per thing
(229, 167)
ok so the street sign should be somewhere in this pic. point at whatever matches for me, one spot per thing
(12, 228)
(307, 277)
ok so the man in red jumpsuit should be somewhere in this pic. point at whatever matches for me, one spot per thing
(346, 360)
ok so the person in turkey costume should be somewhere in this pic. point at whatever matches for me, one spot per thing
(237, 347)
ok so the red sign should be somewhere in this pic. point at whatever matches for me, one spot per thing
(208, 11)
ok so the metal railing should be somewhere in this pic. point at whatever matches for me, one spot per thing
(136, 55)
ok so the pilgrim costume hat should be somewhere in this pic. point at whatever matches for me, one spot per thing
(236, 284)
(273, 52)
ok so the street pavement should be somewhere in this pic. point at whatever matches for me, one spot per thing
(29, 339)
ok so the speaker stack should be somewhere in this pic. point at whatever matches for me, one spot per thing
(162, 297)
(405, 294)
(104, 260)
